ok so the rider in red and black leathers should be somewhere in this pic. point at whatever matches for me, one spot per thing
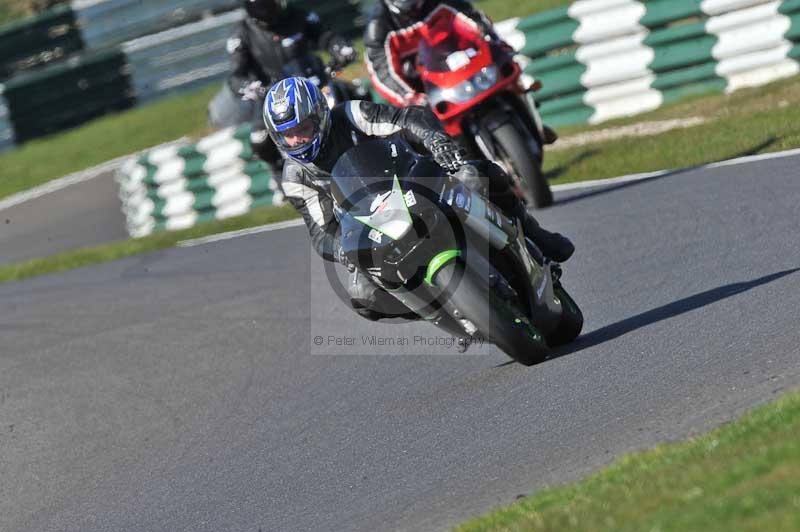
(389, 40)
(271, 35)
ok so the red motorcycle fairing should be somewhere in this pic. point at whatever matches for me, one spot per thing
(459, 67)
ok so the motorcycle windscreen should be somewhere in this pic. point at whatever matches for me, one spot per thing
(365, 183)
(448, 43)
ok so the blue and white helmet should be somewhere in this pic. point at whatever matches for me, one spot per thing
(289, 103)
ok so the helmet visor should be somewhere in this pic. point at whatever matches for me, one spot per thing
(264, 10)
(299, 137)
(404, 7)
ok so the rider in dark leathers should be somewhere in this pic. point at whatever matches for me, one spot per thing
(306, 174)
(271, 35)
(390, 46)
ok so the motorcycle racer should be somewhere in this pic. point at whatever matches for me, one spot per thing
(391, 41)
(313, 137)
(272, 34)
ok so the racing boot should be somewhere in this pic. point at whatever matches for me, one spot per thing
(550, 136)
(497, 186)
(554, 246)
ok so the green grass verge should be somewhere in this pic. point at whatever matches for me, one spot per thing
(13, 10)
(107, 138)
(125, 248)
(499, 10)
(747, 122)
(744, 477)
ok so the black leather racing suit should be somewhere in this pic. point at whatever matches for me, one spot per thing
(259, 51)
(307, 186)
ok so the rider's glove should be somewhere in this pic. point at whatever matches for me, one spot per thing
(416, 98)
(470, 176)
(254, 91)
(445, 151)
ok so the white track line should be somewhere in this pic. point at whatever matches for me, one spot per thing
(62, 183)
(71, 179)
(91, 173)
(648, 175)
(556, 188)
(242, 232)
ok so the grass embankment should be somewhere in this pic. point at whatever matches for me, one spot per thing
(744, 477)
(498, 10)
(101, 140)
(747, 122)
(124, 248)
(13, 10)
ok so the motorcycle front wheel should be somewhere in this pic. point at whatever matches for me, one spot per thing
(499, 321)
(526, 167)
(571, 323)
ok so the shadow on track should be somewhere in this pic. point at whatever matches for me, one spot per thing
(601, 190)
(615, 330)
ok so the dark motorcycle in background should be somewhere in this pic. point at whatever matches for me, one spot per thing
(229, 109)
(475, 88)
(447, 253)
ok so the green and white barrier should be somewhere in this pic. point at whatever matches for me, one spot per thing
(6, 129)
(176, 186)
(603, 59)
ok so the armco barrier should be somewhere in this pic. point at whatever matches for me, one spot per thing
(177, 186)
(602, 59)
(111, 22)
(66, 94)
(38, 40)
(181, 58)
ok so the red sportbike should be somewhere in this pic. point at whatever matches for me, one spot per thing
(475, 88)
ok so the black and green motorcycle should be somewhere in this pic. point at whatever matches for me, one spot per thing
(447, 253)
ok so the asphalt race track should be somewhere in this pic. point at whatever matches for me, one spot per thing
(85, 214)
(177, 391)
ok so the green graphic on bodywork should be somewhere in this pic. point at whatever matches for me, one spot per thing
(438, 261)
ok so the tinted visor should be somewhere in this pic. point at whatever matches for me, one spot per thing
(298, 137)
(264, 10)
(405, 7)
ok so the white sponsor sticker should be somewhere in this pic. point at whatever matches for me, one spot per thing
(410, 199)
(459, 59)
(375, 236)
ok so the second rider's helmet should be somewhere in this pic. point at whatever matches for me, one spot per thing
(408, 9)
(265, 11)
